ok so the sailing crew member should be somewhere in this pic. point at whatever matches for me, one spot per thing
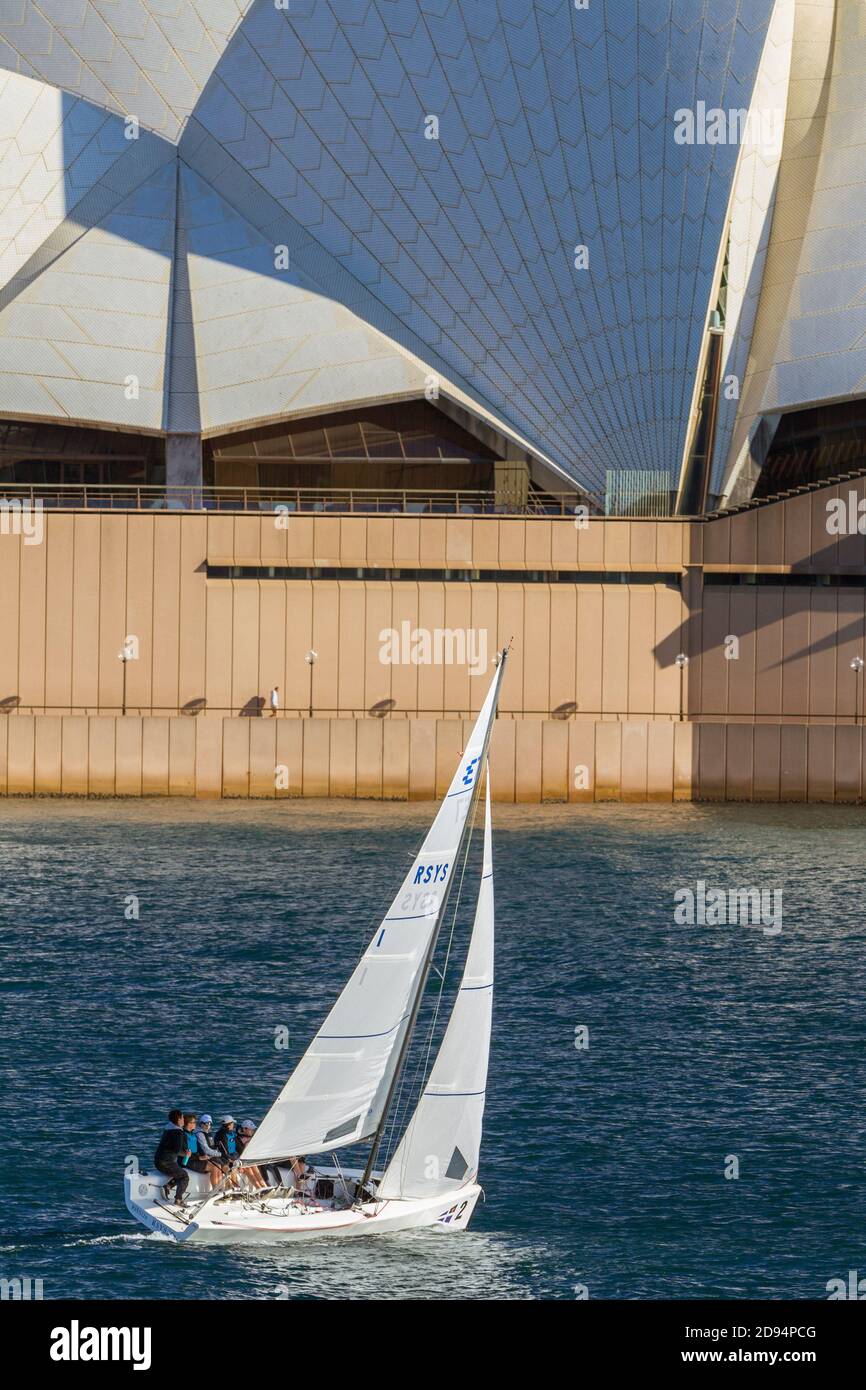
(245, 1134)
(171, 1151)
(196, 1160)
(206, 1146)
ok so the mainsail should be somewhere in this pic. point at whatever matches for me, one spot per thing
(439, 1151)
(341, 1086)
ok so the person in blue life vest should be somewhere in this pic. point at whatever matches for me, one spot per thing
(171, 1153)
(231, 1146)
(196, 1160)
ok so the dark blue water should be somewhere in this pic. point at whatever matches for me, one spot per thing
(603, 1168)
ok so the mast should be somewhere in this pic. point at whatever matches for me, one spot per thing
(428, 960)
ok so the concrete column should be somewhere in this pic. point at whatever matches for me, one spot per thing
(183, 469)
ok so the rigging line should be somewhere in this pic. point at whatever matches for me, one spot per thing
(422, 1068)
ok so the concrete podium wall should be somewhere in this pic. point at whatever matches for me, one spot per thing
(534, 760)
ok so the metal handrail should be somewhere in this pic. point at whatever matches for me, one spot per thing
(304, 500)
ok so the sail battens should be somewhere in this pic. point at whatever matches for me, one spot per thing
(329, 1089)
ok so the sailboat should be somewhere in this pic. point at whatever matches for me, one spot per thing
(346, 1087)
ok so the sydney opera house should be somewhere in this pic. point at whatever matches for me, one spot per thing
(342, 341)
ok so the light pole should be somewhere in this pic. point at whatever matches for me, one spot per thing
(682, 661)
(124, 656)
(311, 658)
(857, 667)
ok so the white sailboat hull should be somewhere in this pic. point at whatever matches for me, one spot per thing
(276, 1220)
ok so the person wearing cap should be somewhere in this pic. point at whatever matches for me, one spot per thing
(171, 1153)
(226, 1139)
(250, 1171)
(197, 1160)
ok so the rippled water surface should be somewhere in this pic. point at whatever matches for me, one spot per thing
(603, 1168)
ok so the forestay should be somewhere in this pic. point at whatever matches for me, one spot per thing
(439, 1151)
(337, 1092)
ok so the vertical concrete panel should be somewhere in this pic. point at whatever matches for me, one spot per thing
(58, 613)
(768, 652)
(377, 670)
(100, 780)
(711, 761)
(395, 759)
(272, 638)
(181, 756)
(368, 758)
(431, 679)
(739, 756)
(154, 756)
(608, 761)
(20, 753)
(714, 668)
(139, 611)
(273, 542)
(316, 756)
(326, 642)
(554, 760)
(640, 700)
(849, 643)
(590, 612)
(512, 624)
(248, 539)
(642, 543)
(342, 769)
(536, 644)
(741, 673)
(744, 540)
(671, 544)
(192, 651)
(563, 647)
(847, 763)
(485, 543)
(503, 753)
(404, 675)
(299, 640)
(767, 762)
(615, 637)
(166, 614)
(9, 615)
(617, 545)
(822, 647)
(47, 755)
(299, 541)
(527, 761)
(539, 543)
(820, 764)
(236, 757)
(246, 693)
(796, 608)
(433, 540)
(218, 646)
(112, 610)
(716, 536)
(209, 756)
(221, 537)
(563, 544)
(263, 756)
(406, 542)
(31, 630)
(590, 545)
(422, 759)
(290, 755)
(581, 762)
(660, 761)
(824, 554)
(353, 539)
(635, 739)
(512, 544)
(458, 543)
(456, 677)
(449, 747)
(669, 639)
(73, 755)
(128, 756)
(792, 776)
(686, 760)
(797, 513)
(353, 641)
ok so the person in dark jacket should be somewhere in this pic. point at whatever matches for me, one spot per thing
(171, 1153)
